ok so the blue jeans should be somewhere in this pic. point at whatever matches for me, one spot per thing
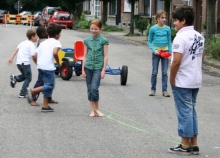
(25, 76)
(93, 78)
(164, 66)
(185, 102)
(48, 82)
(38, 83)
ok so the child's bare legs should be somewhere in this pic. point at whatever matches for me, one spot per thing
(96, 105)
(45, 104)
(92, 114)
(193, 141)
(34, 91)
(185, 142)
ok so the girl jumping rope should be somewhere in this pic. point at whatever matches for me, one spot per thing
(159, 38)
(94, 64)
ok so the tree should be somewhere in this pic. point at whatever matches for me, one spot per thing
(211, 5)
(132, 3)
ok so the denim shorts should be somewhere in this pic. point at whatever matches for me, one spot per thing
(185, 101)
(48, 80)
(93, 78)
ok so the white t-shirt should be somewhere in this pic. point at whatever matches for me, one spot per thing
(26, 50)
(45, 58)
(191, 44)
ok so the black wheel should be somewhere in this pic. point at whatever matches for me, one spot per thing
(124, 75)
(66, 71)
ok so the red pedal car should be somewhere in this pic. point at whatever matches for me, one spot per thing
(63, 18)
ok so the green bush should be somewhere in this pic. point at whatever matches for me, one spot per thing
(83, 23)
(109, 28)
(173, 33)
(212, 47)
(148, 28)
(141, 25)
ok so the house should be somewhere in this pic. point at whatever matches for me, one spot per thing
(95, 8)
(119, 11)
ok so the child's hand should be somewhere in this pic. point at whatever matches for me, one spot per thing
(156, 52)
(83, 74)
(10, 62)
(59, 65)
(169, 58)
(102, 74)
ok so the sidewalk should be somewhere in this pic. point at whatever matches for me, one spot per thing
(210, 66)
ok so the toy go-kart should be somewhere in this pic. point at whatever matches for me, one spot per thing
(72, 61)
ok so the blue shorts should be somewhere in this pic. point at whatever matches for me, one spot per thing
(48, 80)
(185, 101)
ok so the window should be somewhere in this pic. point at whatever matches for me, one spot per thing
(159, 5)
(127, 6)
(87, 5)
(97, 7)
(147, 7)
(112, 8)
(187, 2)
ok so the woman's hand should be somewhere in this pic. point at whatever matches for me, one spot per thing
(102, 74)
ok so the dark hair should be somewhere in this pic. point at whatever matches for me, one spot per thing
(41, 30)
(30, 33)
(53, 29)
(184, 12)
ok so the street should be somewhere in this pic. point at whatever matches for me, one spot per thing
(135, 125)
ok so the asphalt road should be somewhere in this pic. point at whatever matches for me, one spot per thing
(134, 126)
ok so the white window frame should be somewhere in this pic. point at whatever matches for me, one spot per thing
(97, 5)
(187, 2)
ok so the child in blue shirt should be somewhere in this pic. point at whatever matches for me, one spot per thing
(159, 38)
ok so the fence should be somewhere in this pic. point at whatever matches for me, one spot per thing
(18, 19)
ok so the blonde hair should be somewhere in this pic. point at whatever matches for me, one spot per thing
(159, 13)
(96, 22)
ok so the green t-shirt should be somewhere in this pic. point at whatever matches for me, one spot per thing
(95, 52)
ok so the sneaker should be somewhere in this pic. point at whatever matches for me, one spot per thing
(49, 109)
(22, 95)
(195, 150)
(13, 81)
(166, 94)
(152, 93)
(180, 150)
(29, 95)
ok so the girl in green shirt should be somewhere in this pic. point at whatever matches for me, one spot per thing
(94, 64)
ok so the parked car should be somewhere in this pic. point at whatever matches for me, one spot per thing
(2, 11)
(47, 12)
(37, 16)
(25, 13)
(62, 18)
